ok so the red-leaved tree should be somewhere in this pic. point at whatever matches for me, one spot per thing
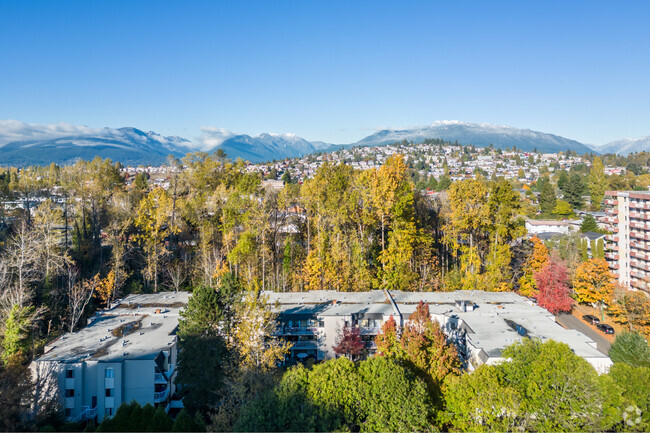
(553, 284)
(349, 343)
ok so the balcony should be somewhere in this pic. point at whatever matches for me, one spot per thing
(370, 331)
(313, 344)
(297, 330)
(609, 201)
(160, 378)
(159, 397)
(639, 235)
(611, 256)
(636, 274)
(638, 284)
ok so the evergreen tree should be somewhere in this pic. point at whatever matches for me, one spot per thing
(630, 348)
(547, 199)
(597, 183)
(160, 421)
(574, 190)
(589, 224)
(600, 249)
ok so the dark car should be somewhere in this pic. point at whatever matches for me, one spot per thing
(591, 319)
(605, 328)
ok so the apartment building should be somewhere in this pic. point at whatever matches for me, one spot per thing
(628, 245)
(126, 353)
(481, 324)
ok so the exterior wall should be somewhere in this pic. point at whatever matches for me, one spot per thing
(547, 228)
(138, 381)
(628, 248)
(132, 380)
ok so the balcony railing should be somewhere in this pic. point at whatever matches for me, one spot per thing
(304, 344)
(297, 330)
(160, 378)
(370, 331)
(86, 414)
(159, 397)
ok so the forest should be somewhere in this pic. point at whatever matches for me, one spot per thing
(83, 235)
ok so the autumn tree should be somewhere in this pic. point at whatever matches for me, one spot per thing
(349, 343)
(153, 219)
(593, 282)
(388, 339)
(552, 282)
(535, 263)
(252, 338)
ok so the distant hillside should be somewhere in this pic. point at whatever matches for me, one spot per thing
(267, 147)
(130, 146)
(626, 146)
(481, 135)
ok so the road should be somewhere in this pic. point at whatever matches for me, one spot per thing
(572, 322)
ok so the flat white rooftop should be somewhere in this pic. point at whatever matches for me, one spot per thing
(137, 327)
(498, 319)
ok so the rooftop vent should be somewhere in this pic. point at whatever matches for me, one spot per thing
(464, 305)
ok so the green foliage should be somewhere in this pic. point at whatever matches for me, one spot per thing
(209, 310)
(547, 200)
(574, 190)
(185, 423)
(630, 348)
(542, 387)
(374, 395)
(559, 391)
(589, 224)
(633, 381)
(16, 334)
(202, 361)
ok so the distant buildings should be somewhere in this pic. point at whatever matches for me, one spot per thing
(481, 324)
(628, 247)
(126, 353)
(537, 227)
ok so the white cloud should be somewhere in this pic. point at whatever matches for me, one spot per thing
(212, 137)
(15, 130)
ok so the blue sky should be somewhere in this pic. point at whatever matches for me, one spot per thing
(331, 71)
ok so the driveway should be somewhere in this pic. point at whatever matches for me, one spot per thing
(572, 322)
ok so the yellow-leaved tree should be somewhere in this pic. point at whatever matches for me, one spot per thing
(253, 338)
(535, 263)
(154, 222)
(593, 282)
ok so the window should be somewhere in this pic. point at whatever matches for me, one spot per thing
(109, 392)
(69, 374)
(108, 411)
(109, 373)
(69, 392)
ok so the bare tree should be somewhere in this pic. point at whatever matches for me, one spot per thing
(53, 257)
(176, 274)
(22, 258)
(79, 295)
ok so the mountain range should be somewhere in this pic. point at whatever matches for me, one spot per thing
(26, 144)
(626, 146)
(130, 146)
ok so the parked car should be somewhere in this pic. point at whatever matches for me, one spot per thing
(605, 328)
(591, 319)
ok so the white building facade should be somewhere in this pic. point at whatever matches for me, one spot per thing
(126, 353)
(480, 324)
